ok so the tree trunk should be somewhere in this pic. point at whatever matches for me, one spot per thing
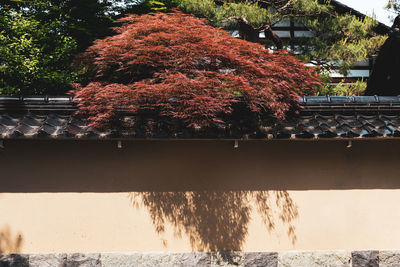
(271, 35)
(248, 33)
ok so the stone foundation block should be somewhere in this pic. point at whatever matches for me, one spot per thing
(14, 260)
(227, 259)
(83, 260)
(365, 258)
(191, 259)
(314, 259)
(47, 260)
(260, 259)
(155, 259)
(388, 258)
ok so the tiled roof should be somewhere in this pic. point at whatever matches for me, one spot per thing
(320, 118)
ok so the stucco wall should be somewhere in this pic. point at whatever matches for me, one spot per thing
(90, 196)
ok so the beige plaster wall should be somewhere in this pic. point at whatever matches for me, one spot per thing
(90, 196)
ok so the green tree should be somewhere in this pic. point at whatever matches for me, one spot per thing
(84, 21)
(34, 56)
(39, 39)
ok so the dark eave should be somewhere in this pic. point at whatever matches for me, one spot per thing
(320, 118)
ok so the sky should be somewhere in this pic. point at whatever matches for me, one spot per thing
(370, 7)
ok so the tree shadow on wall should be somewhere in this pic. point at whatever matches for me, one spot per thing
(214, 220)
(10, 243)
(10, 246)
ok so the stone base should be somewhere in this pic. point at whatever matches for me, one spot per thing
(254, 259)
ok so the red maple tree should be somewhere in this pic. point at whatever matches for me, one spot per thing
(179, 67)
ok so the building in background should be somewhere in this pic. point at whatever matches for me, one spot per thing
(289, 30)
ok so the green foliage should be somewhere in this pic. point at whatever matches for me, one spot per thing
(257, 14)
(84, 21)
(200, 8)
(342, 88)
(140, 7)
(350, 89)
(309, 7)
(39, 38)
(339, 41)
(252, 12)
(34, 56)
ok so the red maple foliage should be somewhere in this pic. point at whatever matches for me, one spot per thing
(180, 67)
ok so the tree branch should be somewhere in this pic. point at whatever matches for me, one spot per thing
(271, 35)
